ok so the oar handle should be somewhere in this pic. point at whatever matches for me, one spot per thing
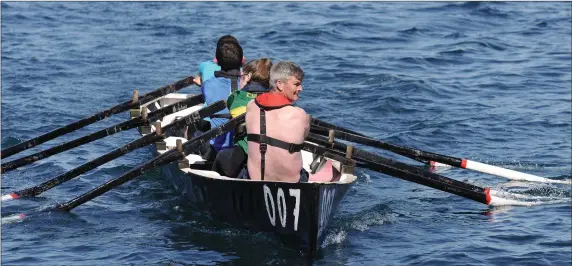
(96, 117)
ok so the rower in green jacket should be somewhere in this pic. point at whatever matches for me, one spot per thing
(254, 80)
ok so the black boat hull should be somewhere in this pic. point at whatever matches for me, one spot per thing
(297, 212)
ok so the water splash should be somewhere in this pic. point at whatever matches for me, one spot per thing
(504, 198)
(334, 238)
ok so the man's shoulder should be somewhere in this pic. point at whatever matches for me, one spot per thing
(297, 110)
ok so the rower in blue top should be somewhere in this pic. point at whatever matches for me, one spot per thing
(229, 57)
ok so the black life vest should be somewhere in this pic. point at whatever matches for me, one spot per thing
(262, 138)
(233, 75)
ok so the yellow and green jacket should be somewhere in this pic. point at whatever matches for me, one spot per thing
(237, 102)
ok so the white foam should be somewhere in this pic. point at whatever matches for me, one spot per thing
(334, 238)
(513, 199)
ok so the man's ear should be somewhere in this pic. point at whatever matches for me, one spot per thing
(279, 85)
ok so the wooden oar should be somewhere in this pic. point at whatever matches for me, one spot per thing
(413, 174)
(129, 124)
(319, 127)
(170, 156)
(160, 160)
(410, 173)
(5, 153)
(139, 143)
(368, 158)
(430, 157)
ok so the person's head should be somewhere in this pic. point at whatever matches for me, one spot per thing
(256, 70)
(226, 39)
(229, 56)
(286, 78)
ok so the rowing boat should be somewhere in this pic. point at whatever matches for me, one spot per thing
(297, 212)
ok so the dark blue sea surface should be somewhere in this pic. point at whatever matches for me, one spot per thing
(488, 81)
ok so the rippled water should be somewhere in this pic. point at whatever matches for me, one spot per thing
(485, 81)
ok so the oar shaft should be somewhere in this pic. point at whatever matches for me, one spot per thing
(8, 166)
(96, 117)
(159, 160)
(376, 158)
(129, 124)
(141, 142)
(404, 151)
(413, 174)
(34, 191)
(481, 196)
(439, 158)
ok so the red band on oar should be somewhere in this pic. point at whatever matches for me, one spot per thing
(21, 216)
(488, 193)
(14, 195)
(464, 163)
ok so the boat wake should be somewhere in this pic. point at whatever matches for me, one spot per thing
(333, 238)
(360, 221)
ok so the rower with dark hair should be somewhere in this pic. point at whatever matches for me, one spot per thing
(208, 68)
(225, 81)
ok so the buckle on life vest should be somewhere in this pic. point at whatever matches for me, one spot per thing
(263, 147)
(292, 148)
(195, 117)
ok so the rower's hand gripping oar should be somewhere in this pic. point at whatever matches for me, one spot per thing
(434, 157)
(139, 143)
(5, 153)
(129, 124)
(170, 156)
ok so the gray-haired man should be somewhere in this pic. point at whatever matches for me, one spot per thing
(276, 129)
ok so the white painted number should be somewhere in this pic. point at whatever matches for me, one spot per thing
(296, 193)
(268, 195)
(281, 204)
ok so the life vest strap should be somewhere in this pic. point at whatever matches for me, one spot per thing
(290, 147)
(263, 146)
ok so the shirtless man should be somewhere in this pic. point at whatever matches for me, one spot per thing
(278, 158)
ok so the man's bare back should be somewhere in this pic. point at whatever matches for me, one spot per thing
(288, 124)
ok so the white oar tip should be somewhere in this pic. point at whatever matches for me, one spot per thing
(13, 218)
(9, 196)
